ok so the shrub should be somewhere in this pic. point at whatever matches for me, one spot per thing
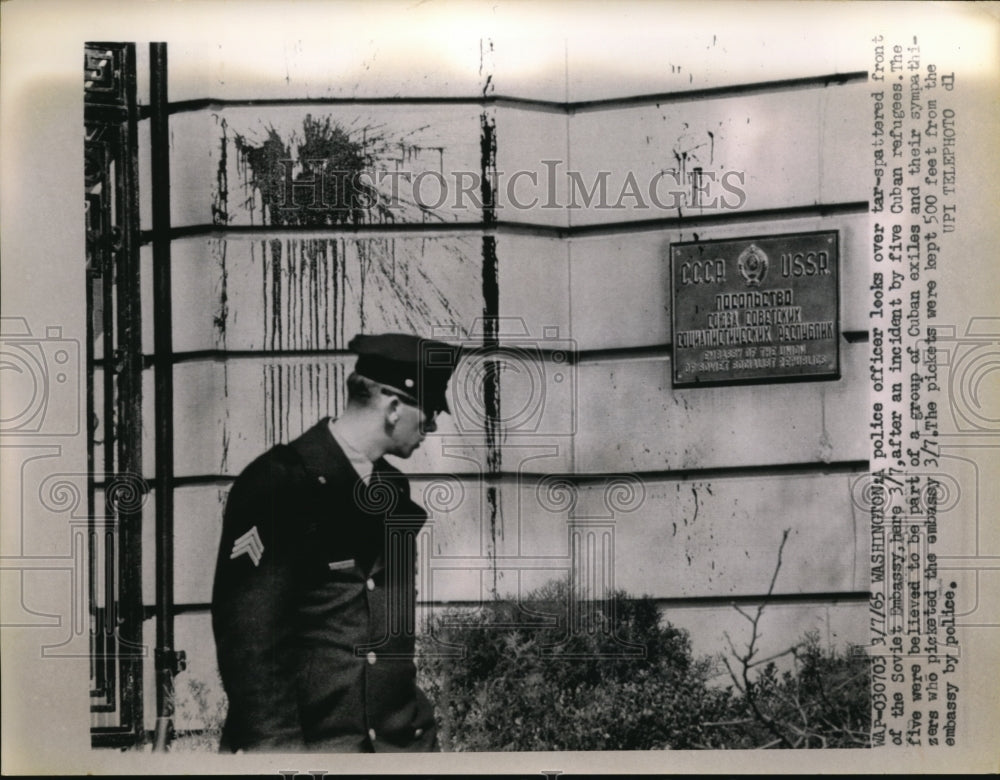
(594, 676)
(823, 701)
(199, 713)
(552, 673)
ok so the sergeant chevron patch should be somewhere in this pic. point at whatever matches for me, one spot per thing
(250, 544)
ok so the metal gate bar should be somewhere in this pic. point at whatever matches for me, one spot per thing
(168, 661)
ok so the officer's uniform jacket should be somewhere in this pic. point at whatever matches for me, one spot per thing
(314, 627)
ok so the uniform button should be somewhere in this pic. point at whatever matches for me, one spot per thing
(322, 480)
(418, 733)
(370, 584)
(371, 658)
(371, 734)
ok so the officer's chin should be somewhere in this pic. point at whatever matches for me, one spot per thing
(405, 453)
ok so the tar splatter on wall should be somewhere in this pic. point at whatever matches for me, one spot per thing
(316, 293)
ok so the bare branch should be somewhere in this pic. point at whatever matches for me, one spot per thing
(732, 647)
(751, 700)
(747, 689)
(791, 649)
(770, 592)
(732, 674)
(777, 567)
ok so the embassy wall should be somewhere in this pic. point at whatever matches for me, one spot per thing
(575, 434)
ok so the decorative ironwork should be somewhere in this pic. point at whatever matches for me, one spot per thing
(106, 75)
(114, 365)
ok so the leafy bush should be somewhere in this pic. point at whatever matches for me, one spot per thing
(551, 673)
(199, 713)
(555, 674)
(602, 676)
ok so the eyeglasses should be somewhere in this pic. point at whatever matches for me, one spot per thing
(411, 401)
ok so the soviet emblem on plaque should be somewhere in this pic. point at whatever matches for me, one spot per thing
(752, 263)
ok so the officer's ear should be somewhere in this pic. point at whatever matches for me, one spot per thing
(392, 409)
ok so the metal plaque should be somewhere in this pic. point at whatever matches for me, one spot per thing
(755, 309)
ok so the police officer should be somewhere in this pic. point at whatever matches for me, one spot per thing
(314, 601)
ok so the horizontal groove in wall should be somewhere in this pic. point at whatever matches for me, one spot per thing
(695, 221)
(423, 230)
(708, 93)
(665, 352)
(472, 101)
(681, 475)
(282, 232)
(530, 104)
(824, 598)
(621, 354)
(222, 355)
(528, 351)
(583, 479)
(776, 599)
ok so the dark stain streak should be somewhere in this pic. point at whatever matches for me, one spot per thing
(222, 316)
(491, 303)
(696, 175)
(488, 155)
(275, 303)
(486, 64)
(221, 319)
(220, 198)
